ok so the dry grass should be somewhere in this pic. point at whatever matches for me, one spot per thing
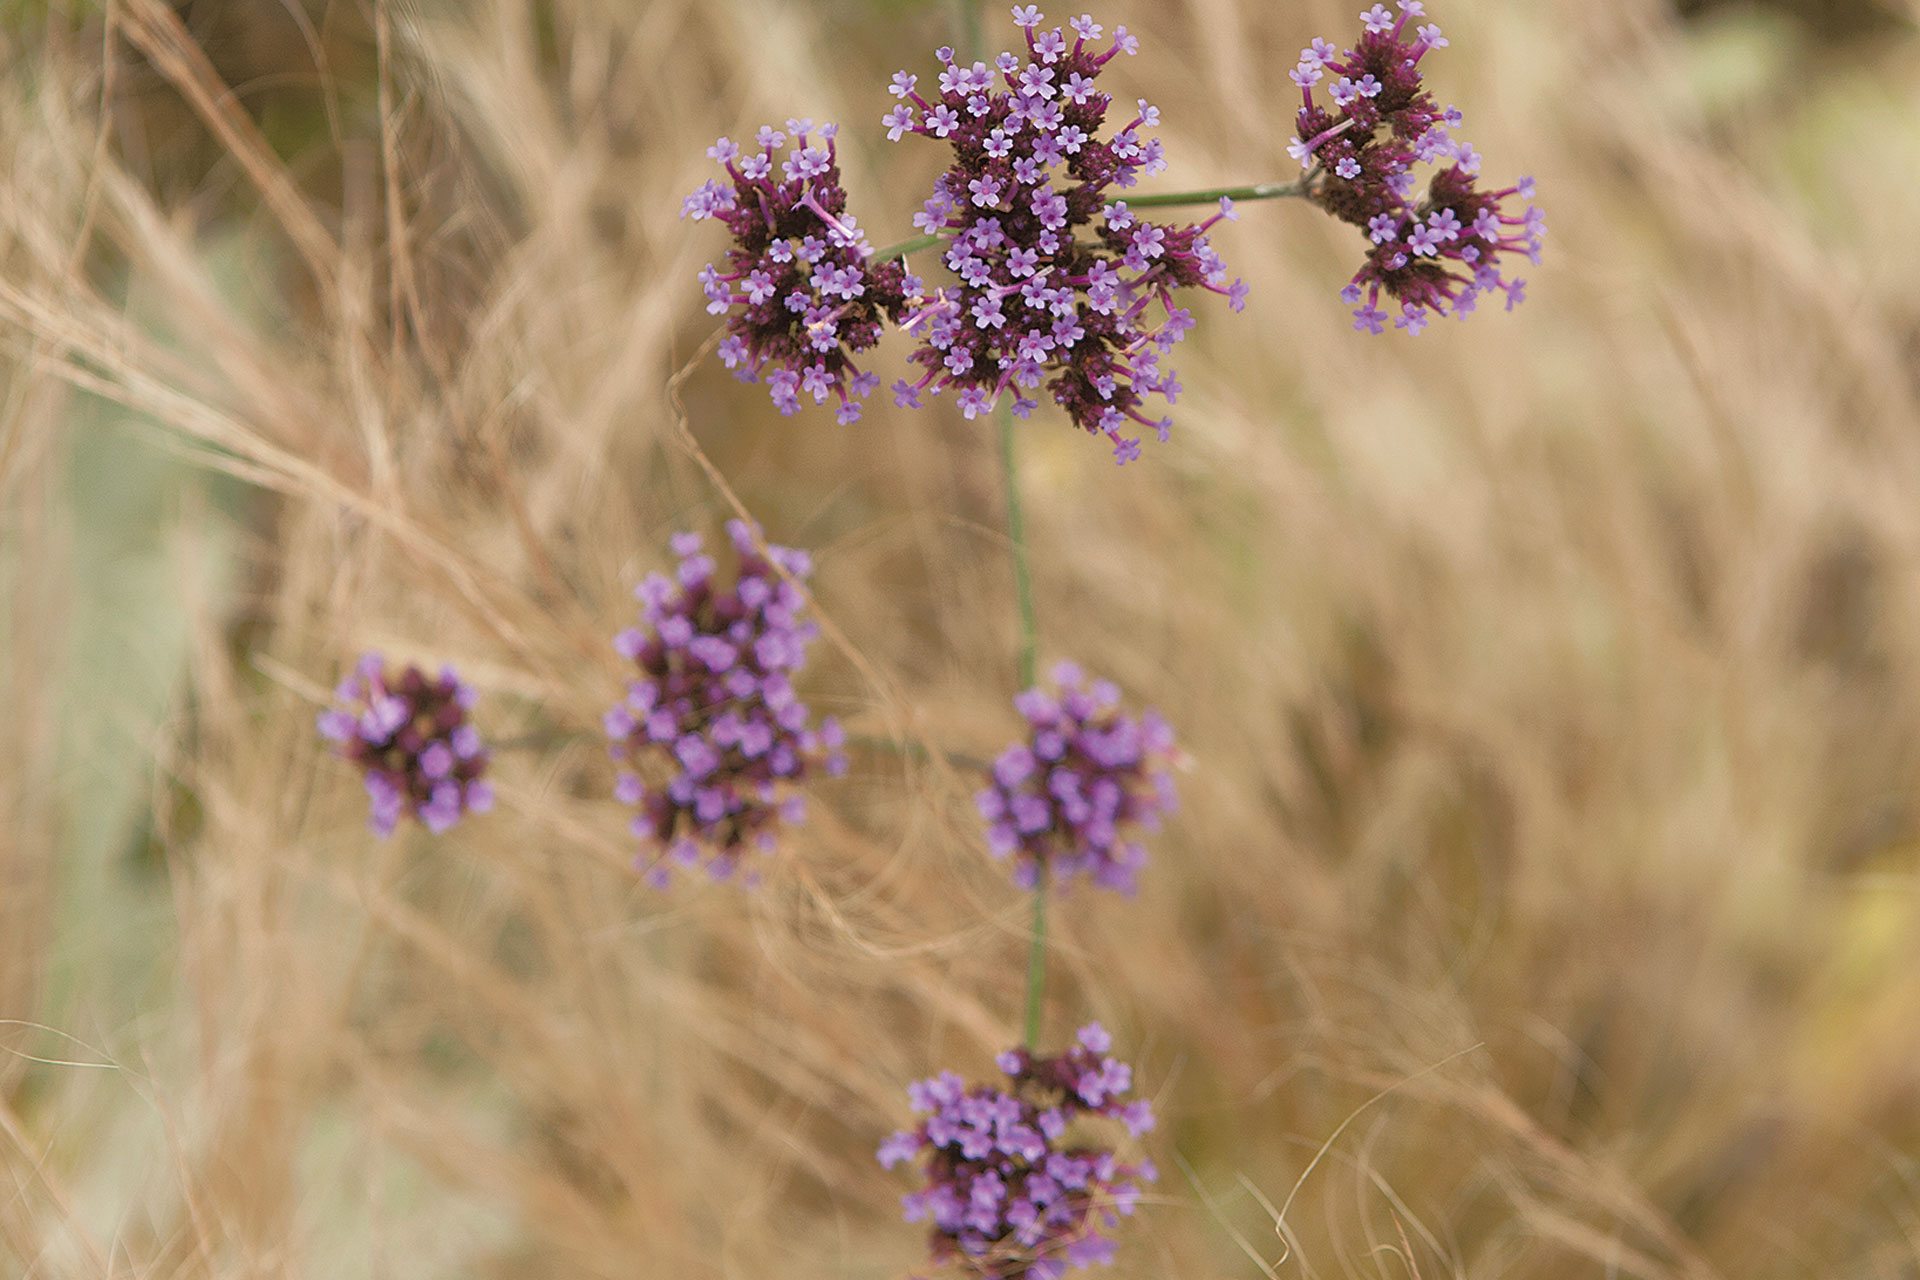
(1552, 683)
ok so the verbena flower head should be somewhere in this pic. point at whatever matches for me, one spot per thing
(800, 289)
(713, 717)
(1021, 1182)
(1054, 280)
(1365, 122)
(1073, 798)
(410, 735)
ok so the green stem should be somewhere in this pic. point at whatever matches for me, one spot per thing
(971, 45)
(1212, 195)
(1029, 655)
(1164, 200)
(915, 751)
(905, 247)
(1037, 961)
(540, 740)
(972, 39)
(1017, 538)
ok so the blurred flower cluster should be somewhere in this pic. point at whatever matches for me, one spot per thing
(713, 712)
(409, 734)
(1070, 799)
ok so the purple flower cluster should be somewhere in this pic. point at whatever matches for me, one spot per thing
(1068, 800)
(1030, 173)
(1014, 1191)
(714, 710)
(410, 736)
(801, 287)
(1435, 255)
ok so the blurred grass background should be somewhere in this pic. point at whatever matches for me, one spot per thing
(1551, 681)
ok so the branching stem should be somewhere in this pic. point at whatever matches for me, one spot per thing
(1163, 200)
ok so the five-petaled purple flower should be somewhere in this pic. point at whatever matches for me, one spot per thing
(415, 746)
(801, 289)
(1017, 1188)
(1072, 799)
(1437, 254)
(1054, 280)
(714, 711)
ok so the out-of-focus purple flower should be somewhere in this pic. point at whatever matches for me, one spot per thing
(411, 737)
(1074, 797)
(1435, 254)
(713, 718)
(801, 291)
(1057, 284)
(1018, 1187)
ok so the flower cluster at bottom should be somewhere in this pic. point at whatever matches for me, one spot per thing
(715, 705)
(1016, 1189)
(410, 736)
